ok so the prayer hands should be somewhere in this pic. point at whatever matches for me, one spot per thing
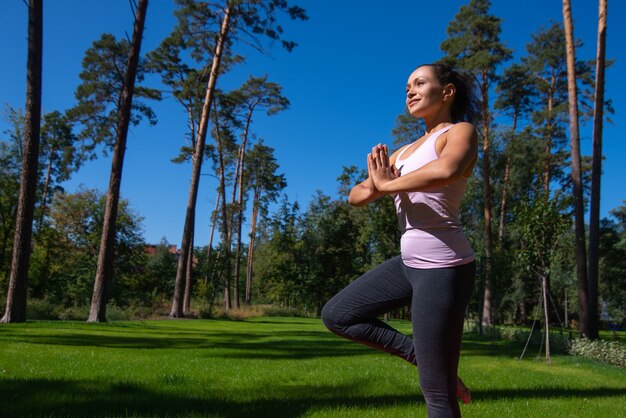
(380, 171)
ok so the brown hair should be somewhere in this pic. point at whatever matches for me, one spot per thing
(465, 103)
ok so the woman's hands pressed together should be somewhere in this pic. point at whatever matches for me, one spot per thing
(380, 170)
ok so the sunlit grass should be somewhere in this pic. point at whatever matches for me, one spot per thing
(274, 367)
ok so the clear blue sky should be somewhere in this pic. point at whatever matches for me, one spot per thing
(345, 82)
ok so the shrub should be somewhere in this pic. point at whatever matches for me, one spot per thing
(271, 310)
(558, 341)
(252, 311)
(41, 309)
(610, 352)
(116, 313)
(74, 313)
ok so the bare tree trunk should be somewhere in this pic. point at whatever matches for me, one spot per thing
(15, 310)
(505, 184)
(242, 164)
(255, 211)
(188, 279)
(224, 216)
(235, 212)
(44, 193)
(579, 204)
(546, 317)
(566, 312)
(177, 303)
(487, 300)
(548, 150)
(522, 313)
(104, 272)
(210, 246)
(596, 174)
(189, 261)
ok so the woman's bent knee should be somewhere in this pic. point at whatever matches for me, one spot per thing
(327, 316)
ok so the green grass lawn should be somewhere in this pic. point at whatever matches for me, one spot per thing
(271, 367)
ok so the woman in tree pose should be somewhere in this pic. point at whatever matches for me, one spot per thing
(435, 271)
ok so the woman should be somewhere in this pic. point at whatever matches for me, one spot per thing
(436, 268)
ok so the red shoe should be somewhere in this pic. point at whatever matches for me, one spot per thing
(462, 391)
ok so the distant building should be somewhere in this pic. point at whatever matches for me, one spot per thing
(171, 248)
(151, 249)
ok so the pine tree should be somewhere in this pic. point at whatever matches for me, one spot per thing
(579, 204)
(235, 20)
(104, 271)
(596, 173)
(18, 280)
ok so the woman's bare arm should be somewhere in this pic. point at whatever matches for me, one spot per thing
(457, 156)
(365, 192)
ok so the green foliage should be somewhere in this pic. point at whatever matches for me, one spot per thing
(72, 251)
(10, 167)
(276, 261)
(540, 224)
(262, 177)
(159, 273)
(304, 259)
(257, 93)
(407, 129)
(46, 309)
(99, 95)
(59, 158)
(610, 352)
(328, 251)
(473, 41)
(612, 280)
(185, 83)
(57, 150)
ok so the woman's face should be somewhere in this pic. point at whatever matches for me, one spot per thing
(424, 92)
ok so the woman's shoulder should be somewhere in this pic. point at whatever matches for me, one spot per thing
(463, 130)
(462, 127)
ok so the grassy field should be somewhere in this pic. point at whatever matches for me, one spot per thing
(271, 367)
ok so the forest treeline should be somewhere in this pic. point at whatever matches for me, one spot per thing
(522, 209)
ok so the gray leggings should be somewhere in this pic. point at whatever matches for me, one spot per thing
(438, 299)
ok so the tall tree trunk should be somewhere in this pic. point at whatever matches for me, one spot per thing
(544, 292)
(189, 267)
(255, 211)
(233, 215)
(7, 232)
(177, 303)
(210, 246)
(238, 245)
(188, 279)
(548, 150)
(596, 174)
(487, 300)
(239, 206)
(224, 216)
(15, 310)
(44, 193)
(579, 204)
(505, 182)
(104, 272)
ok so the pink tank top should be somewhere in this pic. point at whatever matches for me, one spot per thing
(429, 220)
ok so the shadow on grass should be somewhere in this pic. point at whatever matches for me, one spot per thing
(261, 339)
(547, 393)
(507, 349)
(69, 398)
(266, 342)
(97, 399)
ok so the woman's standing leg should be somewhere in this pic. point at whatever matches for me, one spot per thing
(440, 297)
(352, 313)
